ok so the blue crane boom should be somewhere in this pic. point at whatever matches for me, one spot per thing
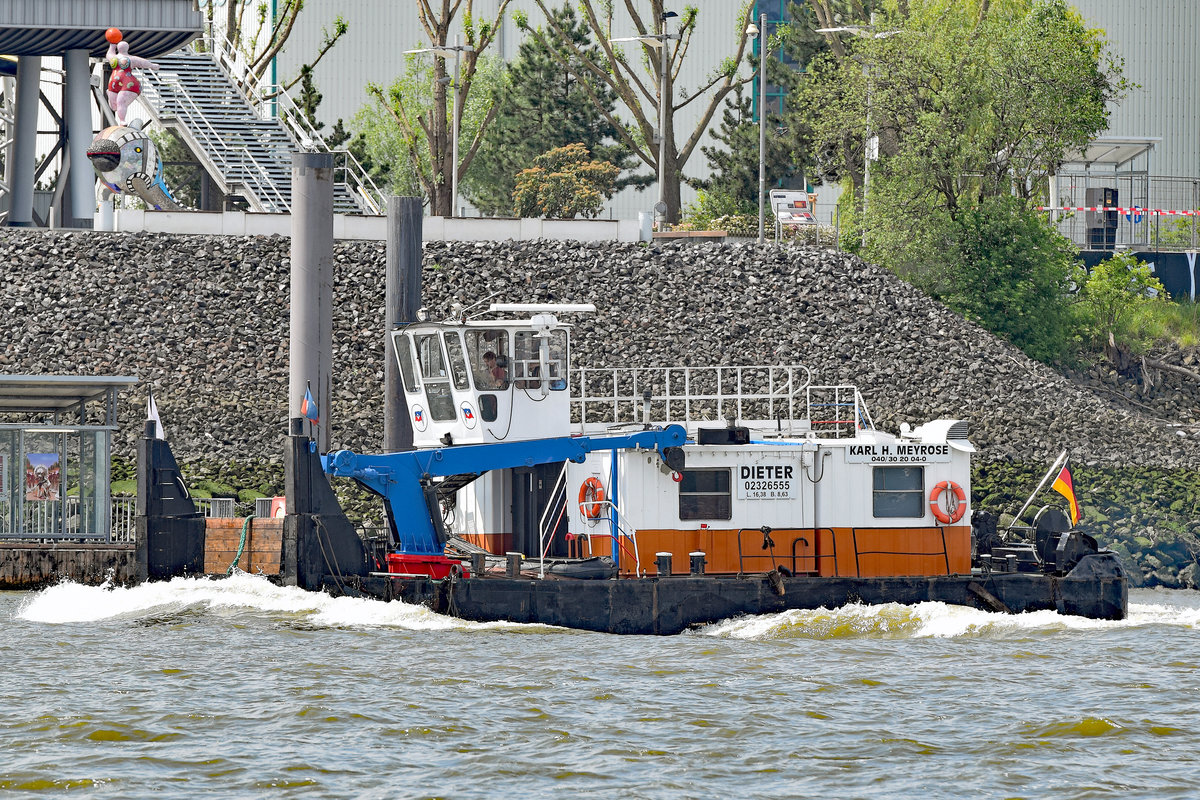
(405, 479)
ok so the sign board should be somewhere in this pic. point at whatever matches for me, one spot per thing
(778, 481)
(792, 207)
(897, 453)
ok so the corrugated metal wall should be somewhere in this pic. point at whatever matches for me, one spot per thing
(1160, 42)
(99, 14)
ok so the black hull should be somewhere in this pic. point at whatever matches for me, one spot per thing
(1097, 588)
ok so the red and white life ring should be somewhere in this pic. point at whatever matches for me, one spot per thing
(955, 506)
(591, 498)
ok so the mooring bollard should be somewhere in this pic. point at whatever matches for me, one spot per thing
(514, 564)
(478, 564)
(697, 562)
(1011, 558)
(663, 564)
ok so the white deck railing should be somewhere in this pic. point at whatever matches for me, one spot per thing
(693, 395)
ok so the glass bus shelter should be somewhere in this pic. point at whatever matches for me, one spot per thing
(55, 455)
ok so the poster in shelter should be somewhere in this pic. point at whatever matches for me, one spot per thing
(42, 476)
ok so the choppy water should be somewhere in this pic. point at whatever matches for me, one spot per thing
(238, 688)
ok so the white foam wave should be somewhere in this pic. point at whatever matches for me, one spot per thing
(73, 602)
(941, 620)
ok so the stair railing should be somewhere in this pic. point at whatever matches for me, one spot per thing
(272, 101)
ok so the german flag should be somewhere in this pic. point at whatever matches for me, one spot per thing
(1064, 486)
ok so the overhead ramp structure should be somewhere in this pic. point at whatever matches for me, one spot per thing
(243, 134)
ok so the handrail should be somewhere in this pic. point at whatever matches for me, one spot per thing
(271, 100)
(622, 530)
(215, 151)
(264, 188)
(708, 394)
(703, 390)
(816, 557)
(543, 546)
(767, 530)
(858, 568)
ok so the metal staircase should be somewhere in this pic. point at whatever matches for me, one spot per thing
(243, 139)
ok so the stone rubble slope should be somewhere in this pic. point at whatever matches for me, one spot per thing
(204, 321)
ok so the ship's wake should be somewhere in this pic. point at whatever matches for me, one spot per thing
(254, 595)
(941, 620)
(239, 593)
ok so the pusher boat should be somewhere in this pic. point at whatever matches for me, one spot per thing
(650, 500)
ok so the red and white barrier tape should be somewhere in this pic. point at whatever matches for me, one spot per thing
(1133, 210)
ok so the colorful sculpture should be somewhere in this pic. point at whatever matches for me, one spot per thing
(123, 86)
(128, 163)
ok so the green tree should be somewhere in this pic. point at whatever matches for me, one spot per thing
(402, 157)
(564, 183)
(424, 124)
(542, 105)
(968, 99)
(1008, 270)
(734, 160)
(639, 82)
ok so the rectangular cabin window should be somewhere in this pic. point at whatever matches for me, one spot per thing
(705, 494)
(527, 361)
(898, 492)
(433, 372)
(404, 355)
(458, 362)
(488, 353)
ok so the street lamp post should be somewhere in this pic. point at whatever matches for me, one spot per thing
(871, 145)
(659, 41)
(752, 32)
(447, 51)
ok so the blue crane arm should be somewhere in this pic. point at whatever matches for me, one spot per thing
(405, 479)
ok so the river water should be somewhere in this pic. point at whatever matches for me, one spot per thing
(238, 688)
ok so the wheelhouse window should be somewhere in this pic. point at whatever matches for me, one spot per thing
(527, 364)
(458, 362)
(898, 492)
(404, 355)
(705, 494)
(489, 354)
(433, 372)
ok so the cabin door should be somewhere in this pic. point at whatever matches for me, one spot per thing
(532, 488)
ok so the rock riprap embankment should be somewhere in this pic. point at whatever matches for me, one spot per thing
(204, 321)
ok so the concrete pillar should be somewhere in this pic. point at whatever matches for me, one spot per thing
(78, 117)
(402, 292)
(24, 150)
(311, 345)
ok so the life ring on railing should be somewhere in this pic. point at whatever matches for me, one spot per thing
(955, 507)
(591, 498)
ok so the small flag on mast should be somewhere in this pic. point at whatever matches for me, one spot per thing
(152, 415)
(309, 407)
(1066, 487)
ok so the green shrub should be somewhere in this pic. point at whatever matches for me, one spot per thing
(564, 183)
(1116, 290)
